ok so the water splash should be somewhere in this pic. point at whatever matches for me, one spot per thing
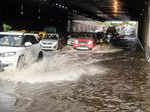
(61, 67)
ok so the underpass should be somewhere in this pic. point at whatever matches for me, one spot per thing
(107, 80)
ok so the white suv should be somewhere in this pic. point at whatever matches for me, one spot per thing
(15, 47)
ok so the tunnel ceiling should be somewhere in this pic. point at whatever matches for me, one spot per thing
(96, 9)
(111, 9)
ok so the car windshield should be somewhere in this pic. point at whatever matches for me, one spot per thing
(86, 35)
(51, 36)
(74, 35)
(11, 40)
(82, 35)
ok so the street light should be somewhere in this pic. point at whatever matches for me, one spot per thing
(115, 7)
(22, 8)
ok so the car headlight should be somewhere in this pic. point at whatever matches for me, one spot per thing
(7, 54)
(109, 36)
(55, 43)
(40, 42)
(90, 42)
(76, 41)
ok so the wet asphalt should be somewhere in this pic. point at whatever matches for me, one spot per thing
(125, 87)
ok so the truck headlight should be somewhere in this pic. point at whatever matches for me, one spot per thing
(7, 54)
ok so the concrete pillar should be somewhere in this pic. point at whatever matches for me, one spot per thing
(147, 31)
(69, 25)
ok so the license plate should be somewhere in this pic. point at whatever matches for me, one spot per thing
(82, 47)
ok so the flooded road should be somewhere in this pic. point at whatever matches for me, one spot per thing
(84, 82)
(6, 103)
(7, 96)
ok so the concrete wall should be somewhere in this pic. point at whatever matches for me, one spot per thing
(146, 31)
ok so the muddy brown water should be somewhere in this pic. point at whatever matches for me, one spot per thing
(7, 102)
(124, 87)
(7, 96)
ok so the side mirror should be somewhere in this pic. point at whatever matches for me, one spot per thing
(28, 44)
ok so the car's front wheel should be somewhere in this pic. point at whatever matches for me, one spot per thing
(40, 56)
(21, 63)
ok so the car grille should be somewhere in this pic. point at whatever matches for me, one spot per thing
(47, 47)
(83, 42)
(46, 43)
(83, 46)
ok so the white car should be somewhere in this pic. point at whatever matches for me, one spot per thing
(15, 49)
(51, 41)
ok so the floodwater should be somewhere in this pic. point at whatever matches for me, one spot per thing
(7, 96)
(82, 82)
(6, 103)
